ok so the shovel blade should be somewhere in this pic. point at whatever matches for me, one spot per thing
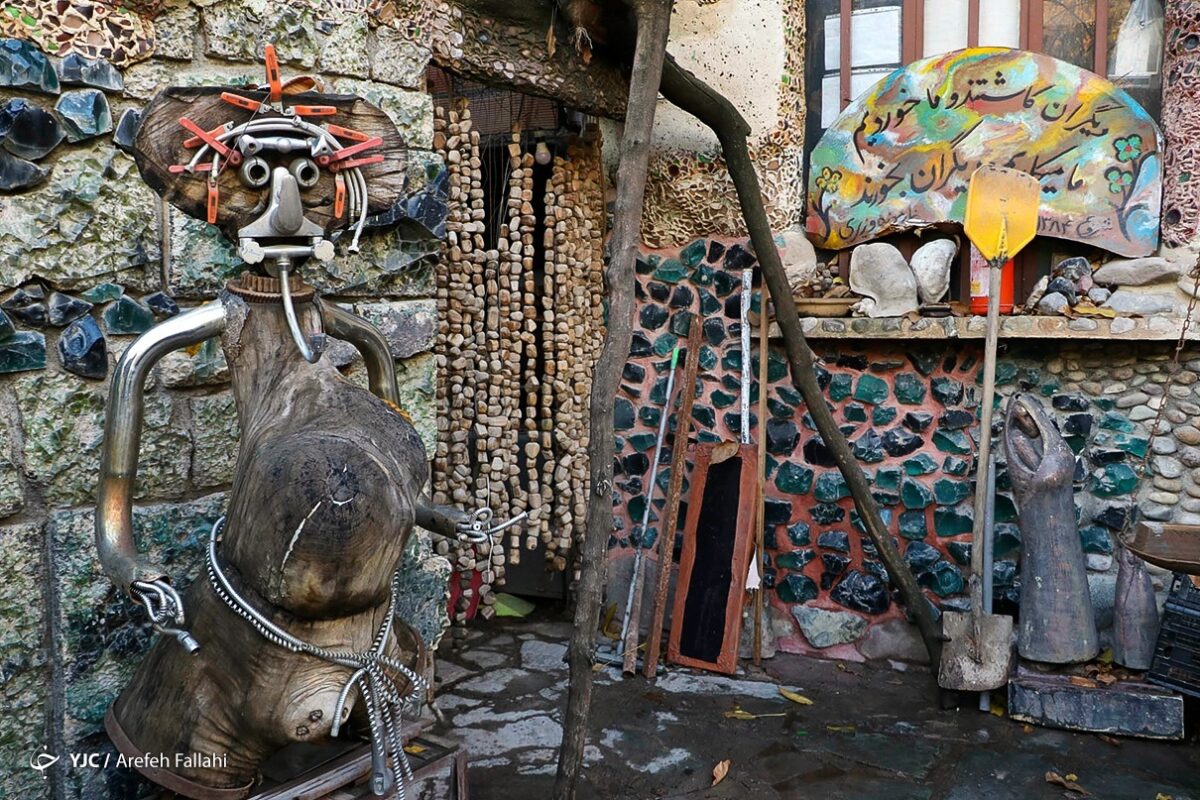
(976, 665)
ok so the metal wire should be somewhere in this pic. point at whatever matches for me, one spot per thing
(379, 689)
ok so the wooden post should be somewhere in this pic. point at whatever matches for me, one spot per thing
(654, 22)
(761, 498)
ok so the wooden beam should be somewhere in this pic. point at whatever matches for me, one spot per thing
(1101, 50)
(845, 14)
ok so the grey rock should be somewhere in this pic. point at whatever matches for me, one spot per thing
(878, 271)
(1131, 303)
(75, 70)
(1135, 271)
(932, 263)
(1132, 399)
(397, 59)
(1122, 325)
(1052, 304)
(1099, 295)
(894, 640)
(1097, 562)
(828, 628)
(798, 257)
(1039, 289)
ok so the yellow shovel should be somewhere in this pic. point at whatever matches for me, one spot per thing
(1002, 212)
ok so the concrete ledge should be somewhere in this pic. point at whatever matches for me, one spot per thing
(1017, 327)
(1126, 709)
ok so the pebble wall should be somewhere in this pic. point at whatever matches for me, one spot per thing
(82, 272)
(910, 413)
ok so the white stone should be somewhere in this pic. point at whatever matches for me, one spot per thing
(878, 271)
(828, 628)
(1135, 271)
(798, 257)
(932, 264)
(543, 656)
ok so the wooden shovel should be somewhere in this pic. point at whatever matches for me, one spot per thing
(1002, 212)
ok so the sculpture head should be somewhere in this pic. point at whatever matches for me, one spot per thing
(1036, 451)
(281, 169)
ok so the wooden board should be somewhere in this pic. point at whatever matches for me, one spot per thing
(718, 543)
(160, 137)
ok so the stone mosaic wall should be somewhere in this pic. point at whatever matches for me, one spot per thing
(82, 271)
(910, 413)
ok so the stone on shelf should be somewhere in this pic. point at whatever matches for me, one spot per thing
(879, 272)
(1052, 304)
(1135, 271)
(84, 114)
(931, 264)
(1143, 304)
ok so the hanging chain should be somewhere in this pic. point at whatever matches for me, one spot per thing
(1180, 343)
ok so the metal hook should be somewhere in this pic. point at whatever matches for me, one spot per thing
(312, 353)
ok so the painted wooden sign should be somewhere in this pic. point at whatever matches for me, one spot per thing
(900, 156)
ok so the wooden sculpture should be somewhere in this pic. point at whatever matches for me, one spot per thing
(1057, 623)
(290, 636)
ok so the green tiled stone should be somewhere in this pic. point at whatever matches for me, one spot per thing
(1113, 480)
(943, 579)
(915, 494)
(789, 395)
(732, 360)
(947, 391)
(871, 390)
(960, 551)
(883, 415)
(708, 358)
(1007, 539)
(920, 464)
(953, 465)
(1006, 373)
(830, 486)
(827, 513)
(1096, 539)
(702, 275)
(664, 344)
(693, 254)
(912, 525)
(951, 521)
(888, 478)
(796, 559)
(104, 293)
(948, 492)
(722, 399)
(24, 350)
(1136, 446)
(1006, 510)
(642, 441)
(798, 533)
(127, 316)
(855, 412)
(793, 478)
(840, 386)
(681, 322)
(952, 442)
(777, 366)
(910, 389)
(796, 589)
(885, 516)
(1050, 387)
(670, 271)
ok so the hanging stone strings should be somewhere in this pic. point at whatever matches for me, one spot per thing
(376, 675)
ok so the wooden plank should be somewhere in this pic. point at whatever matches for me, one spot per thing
(707, 505)
(764, 352)
(1100, 65)
(666, 533)
(846, 13)
(160, 137)
(972, 23)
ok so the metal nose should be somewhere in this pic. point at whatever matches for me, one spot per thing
(287, 214)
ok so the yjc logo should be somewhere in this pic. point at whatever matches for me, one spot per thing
(42, 762)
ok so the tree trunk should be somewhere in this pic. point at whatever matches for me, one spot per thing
(714, 110)
(654, 20)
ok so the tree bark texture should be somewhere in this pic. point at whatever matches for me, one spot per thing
(714, 110)
(654, 20)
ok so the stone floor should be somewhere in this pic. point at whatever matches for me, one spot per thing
(869, 733)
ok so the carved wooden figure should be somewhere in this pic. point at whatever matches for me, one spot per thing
(290, 636)
(1057, 623)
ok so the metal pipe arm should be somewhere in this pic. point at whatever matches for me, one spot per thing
(122, 432)
(442, 520)
(368, 340)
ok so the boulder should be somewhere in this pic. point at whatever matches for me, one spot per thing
(1039, 289)
(1052, 304)
(1142, 304)
(878, 271)
(1136, 271)
(798, 257)
(894, 640)
(932, 265)
(828, 628)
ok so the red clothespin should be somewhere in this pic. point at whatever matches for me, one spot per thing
(347, 152)
(213, 200)
(196, 141)
(241, 102)
(311, 111)
(274, 80)
(232, 156)
(204, 166)
(339, 196)
(346, 133)
(338, 166)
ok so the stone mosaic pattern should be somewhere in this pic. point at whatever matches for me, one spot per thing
(81, 274)
(1180, 121)
(910, 413)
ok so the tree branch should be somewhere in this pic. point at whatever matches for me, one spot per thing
(654, 20)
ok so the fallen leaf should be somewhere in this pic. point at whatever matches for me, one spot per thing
(1105, 656)
(795, 698)
(1066, 783)
(724, 451)
(1086, 683)
(1106, 679)
(415, 749)
(738, 713)
(720, 771)
(1161, 796)
(551, 42)
(840, 728)
(997, 707)
(1071, 776)
(1027, 728)
(1110, 740)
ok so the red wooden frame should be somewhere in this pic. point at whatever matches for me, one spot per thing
(743, 547)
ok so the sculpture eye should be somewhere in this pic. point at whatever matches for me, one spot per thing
(305, 171)
(255, 173)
